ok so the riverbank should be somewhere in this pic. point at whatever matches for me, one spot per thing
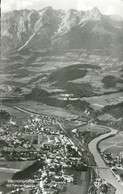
(102, 154)
(103, 170)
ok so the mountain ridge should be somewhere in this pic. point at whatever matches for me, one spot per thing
(58, 29)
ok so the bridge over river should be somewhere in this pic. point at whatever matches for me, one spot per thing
(97, 167)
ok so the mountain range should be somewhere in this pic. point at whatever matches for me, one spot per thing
(60, 30)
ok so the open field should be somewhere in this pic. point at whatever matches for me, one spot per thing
(77, 73)
(112, 145)
(5, 176)
(108, 117)
(16, 115)
(98, 102)
(19, 165)
(26, 69)
(93, 128)
(114, 150)
(45, 109)
(79, 187)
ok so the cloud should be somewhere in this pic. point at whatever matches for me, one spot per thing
(105, 6)
(8, 5)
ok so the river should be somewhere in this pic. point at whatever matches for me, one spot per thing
(105, 174)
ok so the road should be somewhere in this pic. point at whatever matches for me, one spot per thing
(81, 147)
(9, 170)
(79, 144)
(25, 111)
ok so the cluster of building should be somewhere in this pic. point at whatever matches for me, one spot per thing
(20, 142)
(115, 162)
(41, 139)
(100, 186)
(59, 154)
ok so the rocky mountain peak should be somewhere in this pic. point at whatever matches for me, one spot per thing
(47, 10)
(96, 10)
(93, 14)
(26, 28)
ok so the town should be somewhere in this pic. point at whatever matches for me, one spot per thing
(50, 153)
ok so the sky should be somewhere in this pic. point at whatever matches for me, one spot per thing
(108, 7)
